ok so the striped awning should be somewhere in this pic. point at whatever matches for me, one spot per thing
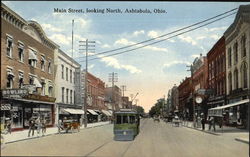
(92, 112)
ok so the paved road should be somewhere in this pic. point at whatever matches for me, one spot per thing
(155, 140)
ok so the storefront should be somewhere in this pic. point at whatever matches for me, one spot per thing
(19, 108)
(92, 116)
(71, 113)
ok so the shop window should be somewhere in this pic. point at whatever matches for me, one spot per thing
(49, 67)
(20, 52)
(62, 71)
(17, 116)
(9, 46)
(43, 63)
(243, 46)
(235, 53)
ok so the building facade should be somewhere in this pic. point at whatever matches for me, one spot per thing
(217, 74)
(66, 84)
(114, 96)
(27, 71)
(237, 39)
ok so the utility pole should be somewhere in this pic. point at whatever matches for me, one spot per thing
(87, 45)
(113, 77)
(192, 92)
(123, 87)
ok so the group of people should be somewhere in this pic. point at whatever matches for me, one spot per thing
(37, 124)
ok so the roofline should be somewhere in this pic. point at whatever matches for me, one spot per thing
(68, 57)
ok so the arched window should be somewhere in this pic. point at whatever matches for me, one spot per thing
(244, 75)
(229, 51)
(235, 53)
(230, 82)
(236, 79)
(243, 46)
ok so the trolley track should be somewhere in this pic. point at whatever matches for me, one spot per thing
(111, 141)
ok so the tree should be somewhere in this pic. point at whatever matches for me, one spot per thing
(140, 110)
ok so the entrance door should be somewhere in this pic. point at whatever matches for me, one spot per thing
(27, 114)
(17, 116)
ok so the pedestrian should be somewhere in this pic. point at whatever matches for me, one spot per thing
(60, 126)
(209, 123)
(43, 126)
(203, 123)
(38, 125)
(213, 123)
(8, 125)
(31, 126)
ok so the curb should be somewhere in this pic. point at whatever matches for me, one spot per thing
(30, 138)
(241, 140)
(208, 132)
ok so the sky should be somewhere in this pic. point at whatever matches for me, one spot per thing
(149, 71)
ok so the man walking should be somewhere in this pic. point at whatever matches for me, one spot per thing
(31, 126)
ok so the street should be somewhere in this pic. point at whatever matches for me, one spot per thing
(155, 140)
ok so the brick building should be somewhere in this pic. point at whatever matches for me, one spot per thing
(27, 64)
(217, 74)
(185, 103)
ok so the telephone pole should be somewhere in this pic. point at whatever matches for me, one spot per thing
(86, 44)
(113, 77)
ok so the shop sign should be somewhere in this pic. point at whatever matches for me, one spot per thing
(14, 93)
(40, 98)
(5, 107)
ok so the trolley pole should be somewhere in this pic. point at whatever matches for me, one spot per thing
(87, 45)
(113, 78)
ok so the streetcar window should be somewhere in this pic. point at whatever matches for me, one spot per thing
(125, 119)
(118, 119)
(131, 119)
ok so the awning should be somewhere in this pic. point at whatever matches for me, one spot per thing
(37, 83)
(92, 112)
(110, 111)
(32, 55)
(73, 111)
(107, 113)
(217, 111)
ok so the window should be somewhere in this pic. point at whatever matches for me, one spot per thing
(20, 52)
(10, 79)
(74, 98)
(67, 74)
(243, 46)
(229, 57)
(9, 46)
(244, 75)
(43, 87)
(43, 63)
(63, 94)
(118, 119)
(67, 96)
(20, 80)
(71, 96)
(230, 82)
(50, 91)
(70, 76)
(132, 119)
(125, 119)
(235, 53)
(31, 81)
(236, 79)
(62, 71)
(49, 67)
(32, 58)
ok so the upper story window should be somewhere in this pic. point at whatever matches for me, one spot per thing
(67, 95)
(236, 79)
(71, 92)
(21, 81)
(70, 76)
(21, 52)
(63, 94)
(229, 57)
(230, 82)
(50, 91)
(67, 74)
(10, 78)
(62, 71)
(49, 67)
(43, 63)
(32, 58)
(235, 53)
(244, 75)
(9, 46)
(243, 46)
(43, 86)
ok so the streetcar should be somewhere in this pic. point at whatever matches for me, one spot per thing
(126, 125)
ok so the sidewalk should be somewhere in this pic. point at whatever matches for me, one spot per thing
(23, 135)
(237, 134)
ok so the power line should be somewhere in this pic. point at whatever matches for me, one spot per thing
(161, 39)
(163, 34)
